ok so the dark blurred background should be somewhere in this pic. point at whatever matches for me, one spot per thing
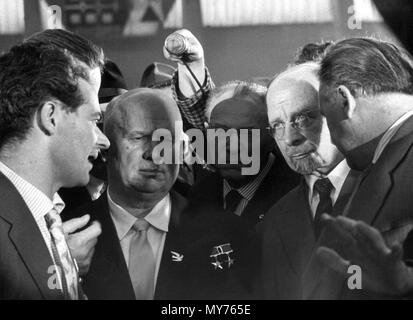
(243, 39)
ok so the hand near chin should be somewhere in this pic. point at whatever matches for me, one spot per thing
(383, 269)
(82, 243)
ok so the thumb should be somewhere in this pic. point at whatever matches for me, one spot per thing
(332, 260)
(75, 224)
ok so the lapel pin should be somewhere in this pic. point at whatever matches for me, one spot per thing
(177, 257)
(221, 256)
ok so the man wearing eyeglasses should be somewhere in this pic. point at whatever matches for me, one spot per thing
(290, 229)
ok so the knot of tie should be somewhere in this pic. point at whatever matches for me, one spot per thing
(141, 225)
(53, 219)
(323, 187)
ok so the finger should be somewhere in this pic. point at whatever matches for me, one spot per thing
(347, 224)
(372, 240)
(332, 260)
(396, 251)
(75, 224)
(89, 234)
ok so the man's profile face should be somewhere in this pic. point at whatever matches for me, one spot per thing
(240, 113)
(330, 108)
(306, 147)
(131, 163)
(80, 139)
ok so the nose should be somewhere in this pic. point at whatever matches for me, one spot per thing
(292, 136)
(148, 153)
(102, 142)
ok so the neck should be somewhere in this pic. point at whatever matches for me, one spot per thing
(136, 203)
(32, 165)
(383, 112)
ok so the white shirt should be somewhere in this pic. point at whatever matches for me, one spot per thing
(158, 219)
(337, 177)
(38, 203)
(389, 134)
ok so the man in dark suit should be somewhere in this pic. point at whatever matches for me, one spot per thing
(233, 106)
(48, 135)
(365, 93)
(288, 233)
(175, 260)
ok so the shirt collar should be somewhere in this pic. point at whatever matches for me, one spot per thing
(389, 134)
(337, 176)
(248, 191)
(38, 203)
(158, 217)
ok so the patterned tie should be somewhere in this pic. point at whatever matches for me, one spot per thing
(141, 262)
(232, 200)
(61, 254)
(324, 188)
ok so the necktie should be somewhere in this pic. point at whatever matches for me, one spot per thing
(324, 188)
(232, 200)
(141, 262)
(61, 254)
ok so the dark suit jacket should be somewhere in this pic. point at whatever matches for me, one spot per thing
(24, 258)
(192, 236)
(286, 240)
(383, 200)
(278, 181)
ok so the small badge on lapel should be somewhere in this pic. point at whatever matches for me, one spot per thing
(221, 256)
(177, 257)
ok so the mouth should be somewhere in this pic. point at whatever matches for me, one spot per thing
(300, 156)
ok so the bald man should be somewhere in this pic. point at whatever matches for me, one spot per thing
(150, 247)
(289, 232)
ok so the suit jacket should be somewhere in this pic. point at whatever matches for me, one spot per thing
(25, 262)
(278, 181)
(286, 240)
(189, 235)
(384, 201)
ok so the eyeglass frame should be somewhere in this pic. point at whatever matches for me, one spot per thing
(297, 126)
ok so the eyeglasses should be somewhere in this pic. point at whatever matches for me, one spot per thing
(301, 122)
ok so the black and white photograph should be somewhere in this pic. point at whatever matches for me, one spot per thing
(207, 154)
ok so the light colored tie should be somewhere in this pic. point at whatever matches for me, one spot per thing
(141, 262)
(61, 254)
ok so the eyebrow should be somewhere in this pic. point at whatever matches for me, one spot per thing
(295, 114)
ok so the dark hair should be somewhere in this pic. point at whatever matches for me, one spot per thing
(311, 52)
(367, 66)
(80, 48)
(29, 76)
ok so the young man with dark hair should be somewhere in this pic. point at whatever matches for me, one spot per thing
(48, 138)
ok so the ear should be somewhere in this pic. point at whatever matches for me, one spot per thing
(47, 117)
(348, 101)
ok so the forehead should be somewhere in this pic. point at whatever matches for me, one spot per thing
(291, 96)
(90, 96)
(135, 115)
(238, 112)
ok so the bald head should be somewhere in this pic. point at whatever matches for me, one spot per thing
(149, 109)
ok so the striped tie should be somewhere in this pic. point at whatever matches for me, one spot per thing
(61, 254)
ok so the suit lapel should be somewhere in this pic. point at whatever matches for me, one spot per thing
(377, 182)
(168, 269)
(296, 230)
(108, 272)
(27, 239)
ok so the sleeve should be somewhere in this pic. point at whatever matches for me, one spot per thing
(193, 108)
